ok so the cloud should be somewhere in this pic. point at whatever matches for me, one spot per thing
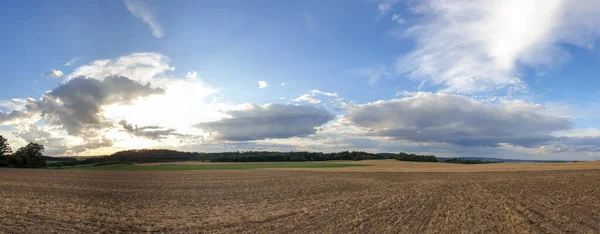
(458, 120)
(398, 19)
(262, 84)
(268, 121)
(283, 83)
(477, 46)
(20, 110)
(307, 97)
(149, 132)
(53, 144)
(72, 61)
(312, 96)
(141, 67)
(77, 105)
(139, 9)
(384, 7)
(12, 117)
(54, 74)
(99, 142)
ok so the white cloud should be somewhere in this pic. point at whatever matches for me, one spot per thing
(307, 97)
(476, 46)
(139, 9)
(398, 19)
(262, 84)
(141, 67)
(311, 97)
(54, 74)
(72, 61)
(384, 7)
(99, 108)
(283, 84)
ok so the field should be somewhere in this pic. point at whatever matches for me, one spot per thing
(215, 166)
(322, 200)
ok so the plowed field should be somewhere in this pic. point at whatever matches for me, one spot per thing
(284, 201)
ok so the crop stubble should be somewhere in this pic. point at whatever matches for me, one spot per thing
(277, 201)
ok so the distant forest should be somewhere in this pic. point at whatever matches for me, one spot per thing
(165, 155)
(31, 156)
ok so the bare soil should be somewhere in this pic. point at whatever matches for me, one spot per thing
(284, 201)
(402, 166)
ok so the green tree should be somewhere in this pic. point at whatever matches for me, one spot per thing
(5, 151)
(29, 156)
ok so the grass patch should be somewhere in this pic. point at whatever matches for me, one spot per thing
(227, 166)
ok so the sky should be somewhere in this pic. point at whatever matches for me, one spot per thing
(505, 79)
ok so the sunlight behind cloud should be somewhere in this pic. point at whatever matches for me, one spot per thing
(476, 46)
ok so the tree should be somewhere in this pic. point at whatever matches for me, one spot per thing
(5, 151)
(29, 156)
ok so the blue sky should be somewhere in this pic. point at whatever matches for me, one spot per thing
(341, 75)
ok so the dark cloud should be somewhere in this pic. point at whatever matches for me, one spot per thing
(37, 135)
(9, 117)
(98, 142)
(77, 105)
(268, 121)
(17, 115)
(149, 132)
(457, 120)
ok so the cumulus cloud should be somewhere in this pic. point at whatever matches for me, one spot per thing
(148, 132)
(20, 109)
(12, 117)
(52, 144)
(98, 142)
(268, 121)
(77, 104)
(54, 74)
(142, 67)
(140, 9)
(312, 96)
(262, 84)
(477, 46)
(458, 120)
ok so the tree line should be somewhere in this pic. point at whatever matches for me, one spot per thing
(165, 155)
(29, 156)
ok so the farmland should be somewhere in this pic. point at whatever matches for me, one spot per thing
(331, 200)
(182, 166)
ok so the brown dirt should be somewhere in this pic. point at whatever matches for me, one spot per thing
(401, 166)
(279, 201)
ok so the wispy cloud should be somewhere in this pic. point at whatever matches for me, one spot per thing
(72, 61)
(54, 74)
(139, 9)
(396, 18)
(476, 46)
(262, 84)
